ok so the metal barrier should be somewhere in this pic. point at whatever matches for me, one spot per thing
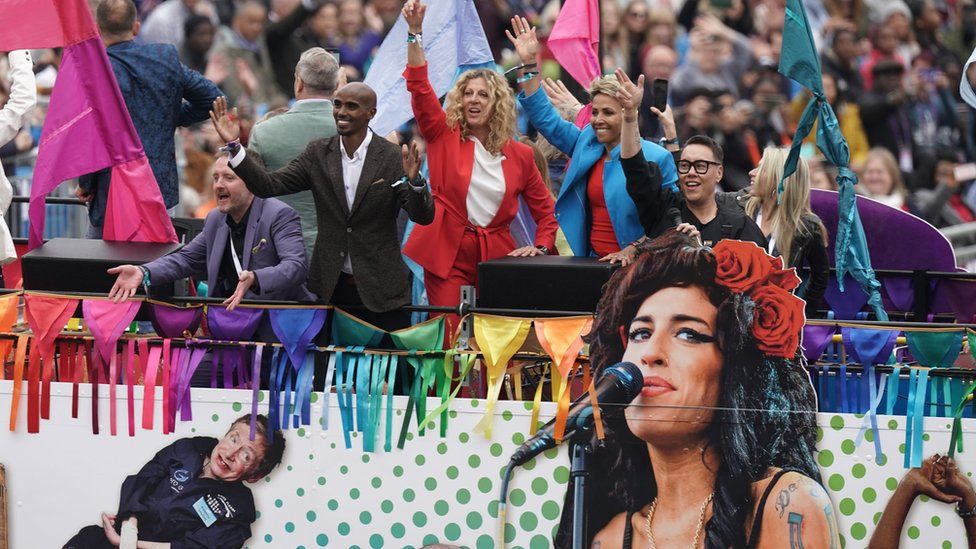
(963, 240)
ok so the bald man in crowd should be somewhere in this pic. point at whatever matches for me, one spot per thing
(359, 182)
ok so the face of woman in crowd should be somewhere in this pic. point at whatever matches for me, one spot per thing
(636, 17)
(324, 23)
(886, 41)
(899, 24)
(476, 102)
(606, 119)
(672, 339)
(876, 178)
(350, 17)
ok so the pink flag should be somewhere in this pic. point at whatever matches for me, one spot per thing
(575, 38)
(87, 127)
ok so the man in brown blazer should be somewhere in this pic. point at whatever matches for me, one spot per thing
(359, 182)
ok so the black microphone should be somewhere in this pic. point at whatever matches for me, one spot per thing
(619, 384)
(674, 214)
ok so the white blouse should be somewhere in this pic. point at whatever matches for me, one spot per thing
(487, 186)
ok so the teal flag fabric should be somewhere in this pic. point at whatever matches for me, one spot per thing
(799, 61)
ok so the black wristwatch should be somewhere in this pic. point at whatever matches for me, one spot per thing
(665, 142)
(964, 513)
(543, 249)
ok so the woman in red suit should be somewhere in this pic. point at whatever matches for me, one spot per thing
(477, 172)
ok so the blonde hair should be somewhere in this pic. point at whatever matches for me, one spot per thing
(607, 85)
(501, 109)
(890, 165)
(794, 203)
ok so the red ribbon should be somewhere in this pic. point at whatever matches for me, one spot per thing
(46, 317)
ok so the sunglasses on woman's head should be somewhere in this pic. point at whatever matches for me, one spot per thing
(701, 166)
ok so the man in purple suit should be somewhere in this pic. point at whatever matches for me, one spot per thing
(250, 248)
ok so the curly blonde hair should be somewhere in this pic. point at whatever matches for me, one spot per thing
(501, 109)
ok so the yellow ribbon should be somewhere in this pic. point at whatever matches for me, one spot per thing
(499, 339)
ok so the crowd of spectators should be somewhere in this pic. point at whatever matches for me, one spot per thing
(892, 70)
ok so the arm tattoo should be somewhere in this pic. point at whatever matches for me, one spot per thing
(796, 522)
(829, 513)
(783, 499)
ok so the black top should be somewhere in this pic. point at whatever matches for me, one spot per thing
(809, 249)
(644, 188)
(228, 280)
(163, 494)
(756, 523)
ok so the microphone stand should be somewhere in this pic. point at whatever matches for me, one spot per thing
(579, 451)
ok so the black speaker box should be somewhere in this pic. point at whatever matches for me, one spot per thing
(554, 283)
(80, 265)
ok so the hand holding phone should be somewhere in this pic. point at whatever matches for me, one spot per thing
(659, 90)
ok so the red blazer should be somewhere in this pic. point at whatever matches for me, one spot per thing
(450, 159)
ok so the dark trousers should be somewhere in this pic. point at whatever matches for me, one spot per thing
(346, 297)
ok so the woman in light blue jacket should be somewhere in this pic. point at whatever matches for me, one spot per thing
(593, 208)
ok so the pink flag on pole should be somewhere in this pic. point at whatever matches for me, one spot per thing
(575, 38)
(87, 127)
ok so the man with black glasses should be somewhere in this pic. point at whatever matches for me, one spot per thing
(705, 213)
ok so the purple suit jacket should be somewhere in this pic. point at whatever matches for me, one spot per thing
(273, 250)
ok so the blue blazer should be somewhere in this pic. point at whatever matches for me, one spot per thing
(585, 151)
(161, 94)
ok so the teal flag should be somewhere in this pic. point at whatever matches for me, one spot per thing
(799, 61)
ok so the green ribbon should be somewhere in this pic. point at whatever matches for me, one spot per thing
(467, 361)
(427, 336)
(955, 441)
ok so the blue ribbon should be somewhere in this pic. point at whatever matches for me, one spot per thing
(390, 381)
(915, 416)
(910, 415)
(894, 381)
(327, 388)
(845, 405)
(255, 388)
(381, 364)
(871, 418)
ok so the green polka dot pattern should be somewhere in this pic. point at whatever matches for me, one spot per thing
(434, 490)
(860, 484)
(443, 490)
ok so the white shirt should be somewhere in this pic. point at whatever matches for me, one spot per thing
(487, 186)
(352, 168)
(14, 116)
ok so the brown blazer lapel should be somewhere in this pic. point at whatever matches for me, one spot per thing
(374, 160)
(333, 170)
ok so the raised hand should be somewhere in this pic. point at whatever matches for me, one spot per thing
(524, 39)
(128, 281)
(226, 123)
(412, 158)
(559, 95)
(921, 479)
(243, 285)
(629, 94)
(947, 478)
(413, 13)
(666, 119)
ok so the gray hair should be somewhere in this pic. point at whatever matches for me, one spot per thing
(319, 70)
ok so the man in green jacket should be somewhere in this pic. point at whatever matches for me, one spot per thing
(279, 139)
